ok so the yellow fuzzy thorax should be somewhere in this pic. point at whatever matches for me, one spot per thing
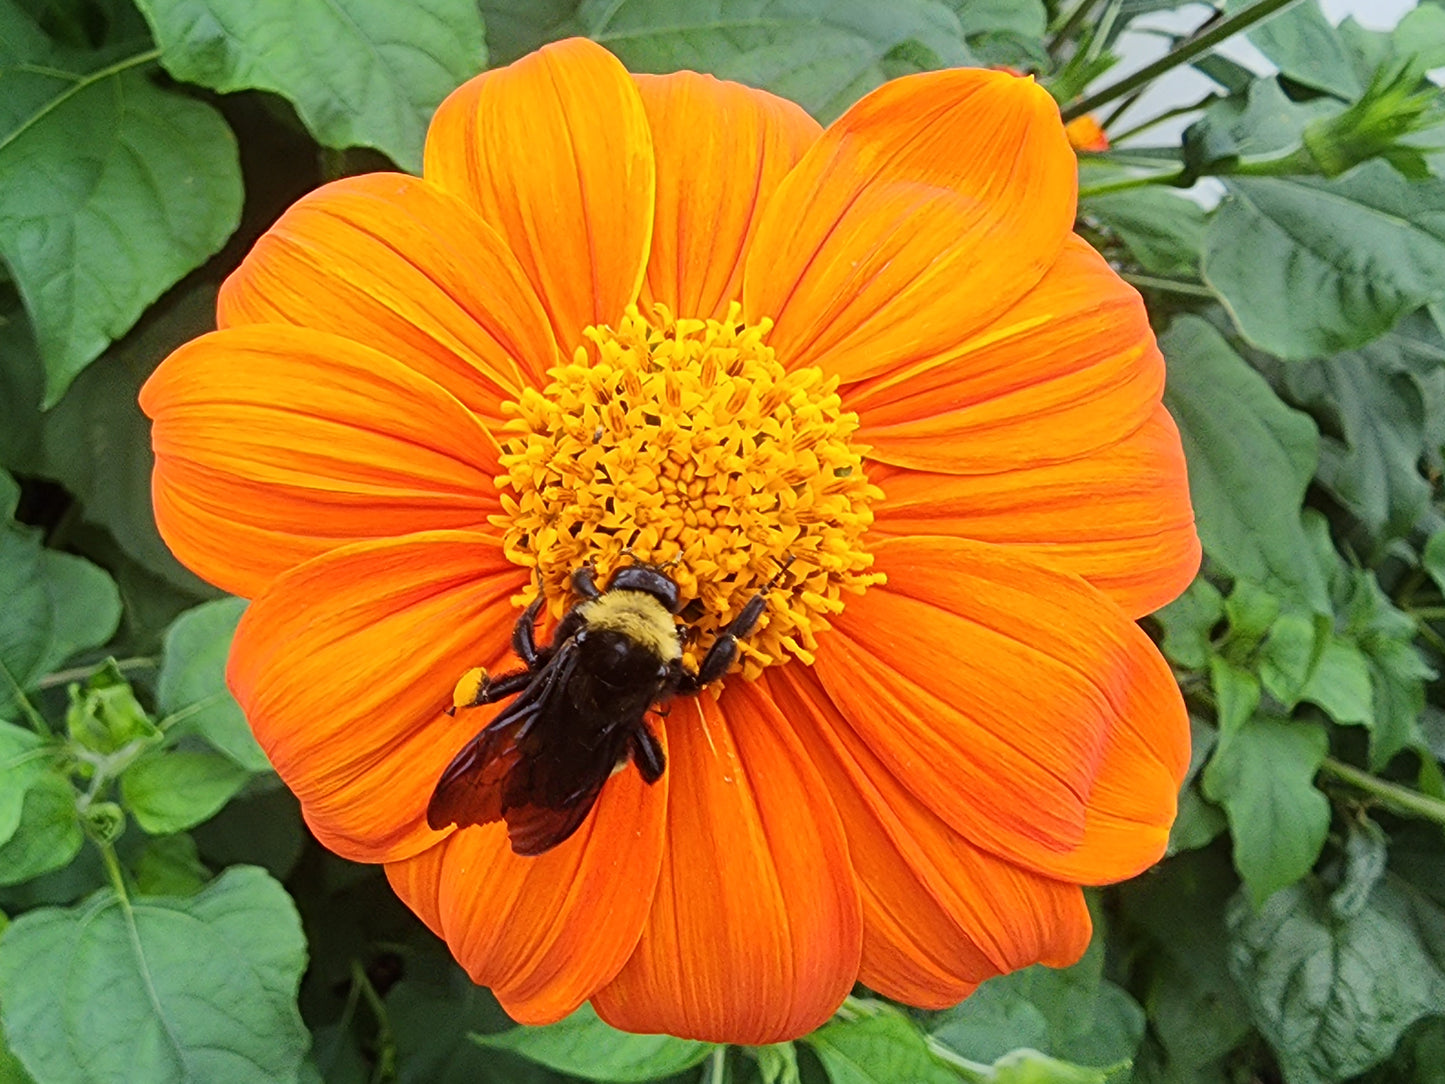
(637, 616)
(686, 444)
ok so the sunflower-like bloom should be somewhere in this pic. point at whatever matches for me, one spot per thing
(671, 319)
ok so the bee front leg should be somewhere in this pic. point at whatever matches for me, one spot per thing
(724, 650)
(524, 632)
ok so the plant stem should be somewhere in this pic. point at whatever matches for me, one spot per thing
(1427, 613)
(1184, 52)
(1171, 286)
(36, 719)
(1403, 800)
(972, 1071)
(112, 870)
(1126, 183)
(1168, 114)
(1072, 23)
(80, 673)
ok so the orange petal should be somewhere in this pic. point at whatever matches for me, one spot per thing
(1016, 702)
(275, 443)
(544, 933)
(555, 153)
(397, 264)
(1071, 368)
(1119, 517)
(721, 149)
(940, 915)
(344, 666)
(755, 931)
(923, 212)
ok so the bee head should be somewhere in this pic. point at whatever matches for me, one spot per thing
(650, 581)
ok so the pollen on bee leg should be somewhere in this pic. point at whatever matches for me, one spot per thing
(464, 694)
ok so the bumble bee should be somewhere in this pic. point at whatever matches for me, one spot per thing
(581, 707)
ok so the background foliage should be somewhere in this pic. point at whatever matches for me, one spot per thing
(170, 919)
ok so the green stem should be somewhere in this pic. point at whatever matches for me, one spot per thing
(80, 673)
(1168, 286)
(1072, 23)
(1428, 613)
(1403, 800)
(90, 79)
(203, 704)
(385, 1071)
(112, 870)
(1124, 184)
(717, 1066)
(1182, 53)
(1168, 114)
(36, 719)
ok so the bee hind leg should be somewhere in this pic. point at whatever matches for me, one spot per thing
(477, 687)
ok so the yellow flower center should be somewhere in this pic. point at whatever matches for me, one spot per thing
(684, 443)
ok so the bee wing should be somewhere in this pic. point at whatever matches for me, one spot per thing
(473, 787)
(534, 829)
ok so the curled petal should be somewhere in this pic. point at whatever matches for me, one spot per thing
(1017, 703)
(1119, 517)
(755, 931)
(554, 152)
(711, 192)
(1071, 368)
(275, 444)
(344, 666)
(922, 213)
(398, 265)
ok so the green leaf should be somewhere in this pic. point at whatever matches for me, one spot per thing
(1309, 267)
(1264, 778)
(1198, 822)
(1188, 623)
(24, 757)
(192, 681)
(1333, 993)
(1433, 558)
(1374, 439)
(1031, 1067)
(585, 1046)
(375, 82)
(1250, 458)
(178, 789)
(1163, 231)
(1306, 47)
(822, 56)
(1236, 697)
(514, 30)
(160, 990)
(48, 836)
(882, 1047)
(114, 189)
(55, 605)
(1261, 125)
(169, 866)
(778, 1063)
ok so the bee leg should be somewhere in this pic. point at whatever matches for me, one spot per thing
(647, 753)
(584, 582)
(524, 632)
(724, 650)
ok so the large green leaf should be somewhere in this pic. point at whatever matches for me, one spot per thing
(1333, 993)
(1264, 778)
(193, 681)
(1163, 231)
(360, 72)
(823, 56)
(111, 189)
(1309, 267)
(1250, 458)
(161, 990)
(39, 831)
(585, 1046)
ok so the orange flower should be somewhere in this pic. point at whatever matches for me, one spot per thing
(1086, 134)
(673, 314)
